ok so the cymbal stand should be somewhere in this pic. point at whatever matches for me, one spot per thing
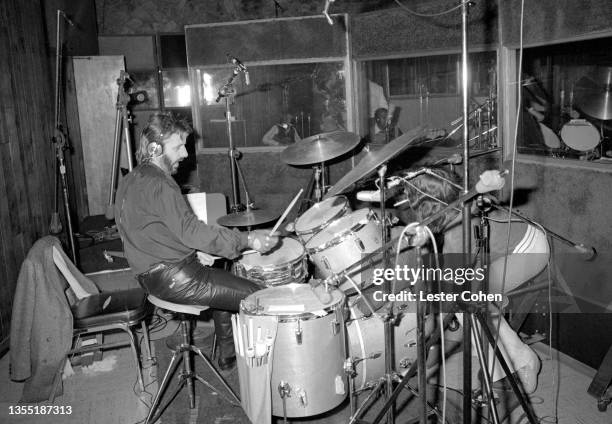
(122, 120)
(386, 382)
(228, 92)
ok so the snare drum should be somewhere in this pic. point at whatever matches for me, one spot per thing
(309, 347)
(580, 134)
(286, 264)
(344, 242)
(320, 215)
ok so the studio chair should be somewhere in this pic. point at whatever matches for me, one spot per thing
(103, 312)
(183, 353)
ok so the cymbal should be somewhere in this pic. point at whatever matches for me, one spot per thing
(320, 148)
(373, 160)
(594, 95)
(247, 218)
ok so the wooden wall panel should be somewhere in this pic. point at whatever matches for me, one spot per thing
(26, 151)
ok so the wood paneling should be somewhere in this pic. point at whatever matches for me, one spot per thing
(26, 151)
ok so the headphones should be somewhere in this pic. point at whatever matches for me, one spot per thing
(154, 149)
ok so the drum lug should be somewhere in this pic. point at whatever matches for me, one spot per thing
(335, 325)
(301, 393)
(326, 263)
(298, 333)
(359, 244)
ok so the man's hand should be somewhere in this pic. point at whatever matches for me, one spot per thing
(205, 259)
(261, 241)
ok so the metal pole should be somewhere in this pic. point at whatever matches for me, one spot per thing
(466, 219)
(235, 194)
(388, 324)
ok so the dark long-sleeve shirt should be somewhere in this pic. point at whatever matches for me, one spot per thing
(157, 225)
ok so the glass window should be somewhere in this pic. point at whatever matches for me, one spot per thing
(565, 97)
(281, 104)
(143, 91)
(404, 93)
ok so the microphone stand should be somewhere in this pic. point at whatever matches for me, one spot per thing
(228, 92)
(59, 140)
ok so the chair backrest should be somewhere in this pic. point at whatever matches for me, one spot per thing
(79, 291)
(208, 207)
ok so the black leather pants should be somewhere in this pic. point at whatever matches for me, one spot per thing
(190, 283)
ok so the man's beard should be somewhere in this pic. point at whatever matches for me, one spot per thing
(171, 168)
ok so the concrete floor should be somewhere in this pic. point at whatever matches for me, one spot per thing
(110, 396)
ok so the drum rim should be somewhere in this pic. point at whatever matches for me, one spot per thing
(342, 236)
(318, 228)
(298, 316)
(301, 257)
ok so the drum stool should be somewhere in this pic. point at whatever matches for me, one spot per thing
(183, 352)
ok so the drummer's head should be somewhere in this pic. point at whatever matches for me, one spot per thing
(162, 141)
(426, 194)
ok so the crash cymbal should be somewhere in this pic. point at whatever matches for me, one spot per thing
(247, 218)
(373, 160)
(320, 148)
(593, 95)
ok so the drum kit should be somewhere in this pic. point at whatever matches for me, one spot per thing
(313, 315)
(592, 95)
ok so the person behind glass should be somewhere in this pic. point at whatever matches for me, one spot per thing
(163, 239)
(384, 128)
(282, 134)
(512, 262)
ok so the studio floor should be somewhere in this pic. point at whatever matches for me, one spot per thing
(107, 393)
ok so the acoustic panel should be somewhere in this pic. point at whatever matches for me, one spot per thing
(266, 40)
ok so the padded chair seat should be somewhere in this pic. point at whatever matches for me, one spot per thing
(105, 308)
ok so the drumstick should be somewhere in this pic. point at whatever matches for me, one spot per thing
(284, 215)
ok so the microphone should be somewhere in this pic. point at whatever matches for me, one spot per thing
(240, 66)
(374, 195)
(589, 252)
(61, 12)
(326, 11)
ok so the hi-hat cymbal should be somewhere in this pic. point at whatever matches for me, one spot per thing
(247, 218)
(320, 148)
(374, 159)
(594, 95)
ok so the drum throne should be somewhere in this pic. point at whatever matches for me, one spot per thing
(182, 354)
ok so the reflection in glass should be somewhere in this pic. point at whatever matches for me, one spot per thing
(426, 91)
(566, 110)
(146, 82)
(176, 88)
(282, 103)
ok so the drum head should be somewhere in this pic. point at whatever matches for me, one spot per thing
(321, 213)
(293, 299)
(580, 135)
(288, 251)
(339, 227)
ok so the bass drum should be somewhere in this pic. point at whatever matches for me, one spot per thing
(581, 135)
(366, 340)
